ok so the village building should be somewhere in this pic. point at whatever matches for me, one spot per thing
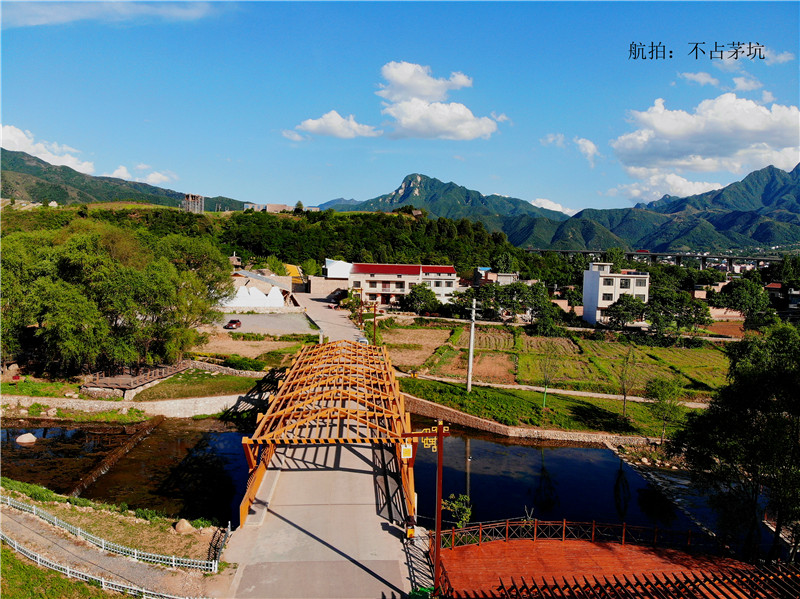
(601, 288)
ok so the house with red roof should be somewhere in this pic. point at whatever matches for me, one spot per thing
(388, 283)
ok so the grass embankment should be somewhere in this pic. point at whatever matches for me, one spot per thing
(142, 529)
(31, 388)
(118, 416)
(22, 579)
(519, 408)
(197, 383)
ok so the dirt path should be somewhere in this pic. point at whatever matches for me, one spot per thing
(67, 550)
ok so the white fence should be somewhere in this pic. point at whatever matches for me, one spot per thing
(73, 573)
(142, 556)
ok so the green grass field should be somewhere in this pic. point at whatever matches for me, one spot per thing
(197, 383)
(518, 408)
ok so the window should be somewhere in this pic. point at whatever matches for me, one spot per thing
(399, 276)
(624, 283)
(356, 284)
(640, 296)
(372, 297)
(641, 282)
(399, 285)
(608, 282)
(372, 275)
(373, 284)
(448, 284)
(607, 297)
(437, 283)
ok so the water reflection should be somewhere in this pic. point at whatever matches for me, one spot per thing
(573, 483)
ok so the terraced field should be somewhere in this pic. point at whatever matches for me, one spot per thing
(508, 357)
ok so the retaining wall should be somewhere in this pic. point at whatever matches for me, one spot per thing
(171, 408)
(422, 407)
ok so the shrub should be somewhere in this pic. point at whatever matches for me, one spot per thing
(241, 363)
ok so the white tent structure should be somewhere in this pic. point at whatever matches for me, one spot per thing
(255, 291)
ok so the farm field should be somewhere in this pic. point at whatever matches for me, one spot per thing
(506, 355)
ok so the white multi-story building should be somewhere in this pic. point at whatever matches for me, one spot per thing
(601, 288)
(388, 283)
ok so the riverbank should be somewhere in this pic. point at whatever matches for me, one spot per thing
(201, 406)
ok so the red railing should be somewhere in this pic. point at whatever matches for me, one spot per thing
(564, 530)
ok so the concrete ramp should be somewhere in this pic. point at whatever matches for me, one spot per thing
(320, 528)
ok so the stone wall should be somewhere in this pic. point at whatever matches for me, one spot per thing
(171, 408)
(327, 287)
(254, 374)
(422, 407)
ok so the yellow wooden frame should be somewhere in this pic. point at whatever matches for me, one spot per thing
(330, 389)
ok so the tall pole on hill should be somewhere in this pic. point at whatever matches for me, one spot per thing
(471, 347)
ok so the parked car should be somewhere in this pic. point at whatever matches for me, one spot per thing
(233, 324)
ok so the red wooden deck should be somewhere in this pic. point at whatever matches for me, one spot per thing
(476, 570)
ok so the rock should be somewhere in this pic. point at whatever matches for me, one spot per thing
(23, 412)
(182, 526)
(645, 461)
(26, 439)
(51, 412)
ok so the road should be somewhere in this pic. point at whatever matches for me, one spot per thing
(335, 324)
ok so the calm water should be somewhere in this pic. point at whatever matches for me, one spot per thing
(548, 483)
(60, 456)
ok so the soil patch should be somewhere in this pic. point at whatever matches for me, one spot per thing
(409, 348)
(730, 328)
(221, 343)
(492, 367)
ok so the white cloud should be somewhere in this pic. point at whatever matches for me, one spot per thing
(23, 141)
(746, 84)
(726, 133)
(556, 139)
(121, 172)
(418, 118)
(157, 178)
(32, 14)
(587, 148)
(767, 97)
(551, 205)
(333, 124)
(143, 167)
(414, 98)
(654, 184)
(773, 57)
(292, 135)
(409, 81)
(701, 78)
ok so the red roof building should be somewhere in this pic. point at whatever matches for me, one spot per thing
(388, 283)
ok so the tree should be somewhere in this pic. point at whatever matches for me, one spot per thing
(627, 375)
(747, 297)
(749, 437)
(310, 267)
(548, 366)
(459, 507)
(626, 309)
(664, 393)
(420, 298)
(298, 208)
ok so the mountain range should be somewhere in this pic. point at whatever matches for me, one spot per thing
(763, 209)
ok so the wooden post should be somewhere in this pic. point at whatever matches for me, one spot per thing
(623, 533)
(437, 567)
(480, 532)
(506, 531)
(535, 528)
(564, 529)
(453, 537)
(593, 527)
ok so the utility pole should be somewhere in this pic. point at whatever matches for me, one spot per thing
(375, 323)
(471, 347)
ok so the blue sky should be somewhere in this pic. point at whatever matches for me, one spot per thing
(311, 101)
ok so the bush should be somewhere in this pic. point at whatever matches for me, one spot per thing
(35, 492)
(79, 501)
(148, 514)
(36, 409)
(241, 363)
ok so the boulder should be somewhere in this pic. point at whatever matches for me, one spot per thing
(182, 526)
(51, 412)
(26, 439)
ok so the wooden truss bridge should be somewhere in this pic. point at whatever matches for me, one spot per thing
(338, 392)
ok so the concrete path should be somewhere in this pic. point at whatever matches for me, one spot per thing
(634, 398)
(321, 528)
(335, 324)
